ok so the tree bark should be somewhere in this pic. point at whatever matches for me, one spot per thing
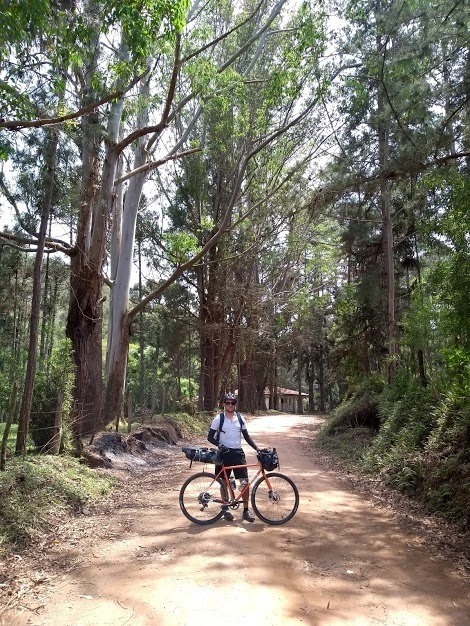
(300, 408)
(52, 139)
(85, 317)
(387, 226)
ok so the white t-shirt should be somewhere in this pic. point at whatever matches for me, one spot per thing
(230, 435)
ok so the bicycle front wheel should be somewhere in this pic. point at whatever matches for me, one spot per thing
(278, 504)
(196, 498)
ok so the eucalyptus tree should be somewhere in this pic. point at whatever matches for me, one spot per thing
(100, 71)
(266, 97)
(215, 78)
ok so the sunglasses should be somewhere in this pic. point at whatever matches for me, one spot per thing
(230, 402)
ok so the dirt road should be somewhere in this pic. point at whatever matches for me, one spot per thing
(339, 561)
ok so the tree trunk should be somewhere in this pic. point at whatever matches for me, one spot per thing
(124, 229)
(84, 319)
(422, 370)
(52, 139)
(300, 408)
(387, 226)
(211, 323)
(117, 365)
(311, 380)
(45, 313)
(84, 328)
(321, 379)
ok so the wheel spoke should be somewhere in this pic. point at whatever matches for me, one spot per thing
(278, 504)
(196, 498)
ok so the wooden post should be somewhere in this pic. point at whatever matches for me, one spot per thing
(57, 432)
(129, 413)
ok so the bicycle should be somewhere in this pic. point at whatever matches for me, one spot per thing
(274, 496)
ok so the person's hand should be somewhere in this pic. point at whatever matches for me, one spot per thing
(223, 449)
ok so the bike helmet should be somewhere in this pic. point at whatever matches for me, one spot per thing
(229, 397)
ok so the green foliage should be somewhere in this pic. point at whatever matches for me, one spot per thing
(144, 21)
(56, 381)
(406, 416)
(181, 246)
(359, 410)
(20, 21)
(422, 447)
(357, 331)
(36, 491)
(39, 40)
(11, 441)
(452, 414)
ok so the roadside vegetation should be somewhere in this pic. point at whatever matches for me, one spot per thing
(413, 439)
(40, 491)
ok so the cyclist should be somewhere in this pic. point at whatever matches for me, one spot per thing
(228, 440)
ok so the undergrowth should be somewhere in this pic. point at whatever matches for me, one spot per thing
(38, 491)
(197, 424)
(420, 447)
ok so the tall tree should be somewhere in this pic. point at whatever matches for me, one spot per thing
(227, 66)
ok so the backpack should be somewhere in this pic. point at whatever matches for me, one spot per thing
(221, 423)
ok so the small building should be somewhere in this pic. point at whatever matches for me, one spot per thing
(286, 400)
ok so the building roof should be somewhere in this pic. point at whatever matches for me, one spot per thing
(282, 391)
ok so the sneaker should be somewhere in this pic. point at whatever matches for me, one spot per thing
(228, 517)
(247, 516)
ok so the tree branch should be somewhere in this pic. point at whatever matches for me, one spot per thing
(154, 164)
(215, 41)
(49, 243)
(165, 117)
(326, 195)
(19, 124)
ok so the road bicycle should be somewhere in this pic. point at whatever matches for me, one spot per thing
(274, 496)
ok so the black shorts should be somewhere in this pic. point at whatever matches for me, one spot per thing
(234, 456)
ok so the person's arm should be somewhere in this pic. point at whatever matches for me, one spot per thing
(249, 440)
(211, 437)
(213, 434)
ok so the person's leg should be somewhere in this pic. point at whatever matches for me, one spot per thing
(247, 516)
(242, 475)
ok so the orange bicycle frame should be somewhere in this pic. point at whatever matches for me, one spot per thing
(224, 473)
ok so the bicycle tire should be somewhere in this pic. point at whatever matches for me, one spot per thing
(191, 494)
(279, 507)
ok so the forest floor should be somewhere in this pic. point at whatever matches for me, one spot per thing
(354, 554)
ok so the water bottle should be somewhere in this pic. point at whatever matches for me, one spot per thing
(233, 484)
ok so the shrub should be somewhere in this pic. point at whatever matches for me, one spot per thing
(360, 410)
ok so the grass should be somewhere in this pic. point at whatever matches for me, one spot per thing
(411, 451)
(11, 441)
(38, 492)
(349, 446)
(197, 424)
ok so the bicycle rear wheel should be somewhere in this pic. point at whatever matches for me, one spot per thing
(276, 505)
(196, 498)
